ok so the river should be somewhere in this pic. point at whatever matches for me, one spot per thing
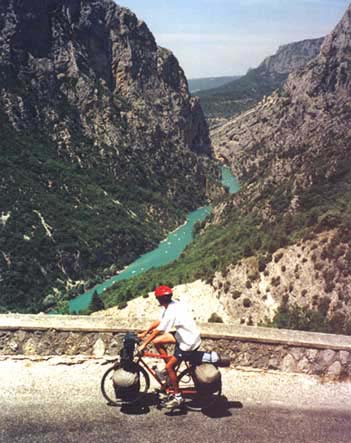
(167, 251)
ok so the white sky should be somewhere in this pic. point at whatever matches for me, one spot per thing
(226, 37)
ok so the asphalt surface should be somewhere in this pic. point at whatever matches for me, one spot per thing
(49, 402)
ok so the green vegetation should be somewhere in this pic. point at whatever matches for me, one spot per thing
(70, 215)
(239, 95)
(303, 318)
(96, 304)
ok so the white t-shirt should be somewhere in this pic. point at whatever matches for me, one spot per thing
(176, 316)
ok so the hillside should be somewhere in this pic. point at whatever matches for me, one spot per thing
(239, 95)
(102, 149)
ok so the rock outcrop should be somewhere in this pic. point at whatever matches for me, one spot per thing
(100, 144)
(290, 57)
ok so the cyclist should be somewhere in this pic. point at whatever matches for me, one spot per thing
(186, 338)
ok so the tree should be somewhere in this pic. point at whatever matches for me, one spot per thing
(96, 303)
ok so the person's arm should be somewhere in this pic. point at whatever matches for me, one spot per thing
(151, 328)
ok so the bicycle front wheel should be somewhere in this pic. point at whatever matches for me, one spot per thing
(194, 400)
(110, 394)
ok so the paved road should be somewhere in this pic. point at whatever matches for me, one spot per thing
(51, 402)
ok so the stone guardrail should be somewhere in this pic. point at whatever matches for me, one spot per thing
(253, 347)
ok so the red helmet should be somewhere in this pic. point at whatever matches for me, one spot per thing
(160, 291)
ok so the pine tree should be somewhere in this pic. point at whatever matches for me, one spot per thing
(96, 303)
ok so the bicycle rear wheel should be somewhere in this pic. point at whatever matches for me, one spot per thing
(109, 392)
(193, 399)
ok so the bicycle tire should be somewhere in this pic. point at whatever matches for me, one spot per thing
(196, 401)
(108, 390)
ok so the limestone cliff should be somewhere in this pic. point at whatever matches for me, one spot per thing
(239, 95)
(291, 57)
(100, 144)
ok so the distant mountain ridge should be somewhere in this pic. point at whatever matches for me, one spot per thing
(103, 149)
(242, 94)
(204, 83)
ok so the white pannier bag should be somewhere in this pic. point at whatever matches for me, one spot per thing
(126, 383)
(124, 379)
(208, 378)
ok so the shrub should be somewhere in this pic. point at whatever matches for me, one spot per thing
(278, 257)
(262, 264)
(329, 286)
(96, 303)
(226, 287)
(275, 281)
(236, 294)
(323, 305)
(122, 305)
(250, 321)
(225, 272)
(215, 318)
(318, 266)
(246, 303)
(297, 317)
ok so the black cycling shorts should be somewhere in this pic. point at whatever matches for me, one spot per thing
(182, 355)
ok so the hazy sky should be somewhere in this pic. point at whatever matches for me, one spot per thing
(226, 37)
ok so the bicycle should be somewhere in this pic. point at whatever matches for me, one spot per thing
(195, 398)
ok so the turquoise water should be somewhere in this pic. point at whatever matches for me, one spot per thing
(229, 180)
(167, 251)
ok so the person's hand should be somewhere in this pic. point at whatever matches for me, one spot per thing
(142, 334)
(141, 348)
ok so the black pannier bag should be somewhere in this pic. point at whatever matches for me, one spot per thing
(126, 378)
(127, 352)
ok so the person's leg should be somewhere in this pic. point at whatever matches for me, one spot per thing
(176, 399)
(161, 341)
(172, 374)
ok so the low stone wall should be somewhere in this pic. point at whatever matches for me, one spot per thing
(289, 351)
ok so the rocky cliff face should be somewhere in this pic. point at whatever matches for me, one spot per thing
(100, 59)
(100, 143)
(299, 137)
(246, 92)
(291, 57)
(292, 156)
